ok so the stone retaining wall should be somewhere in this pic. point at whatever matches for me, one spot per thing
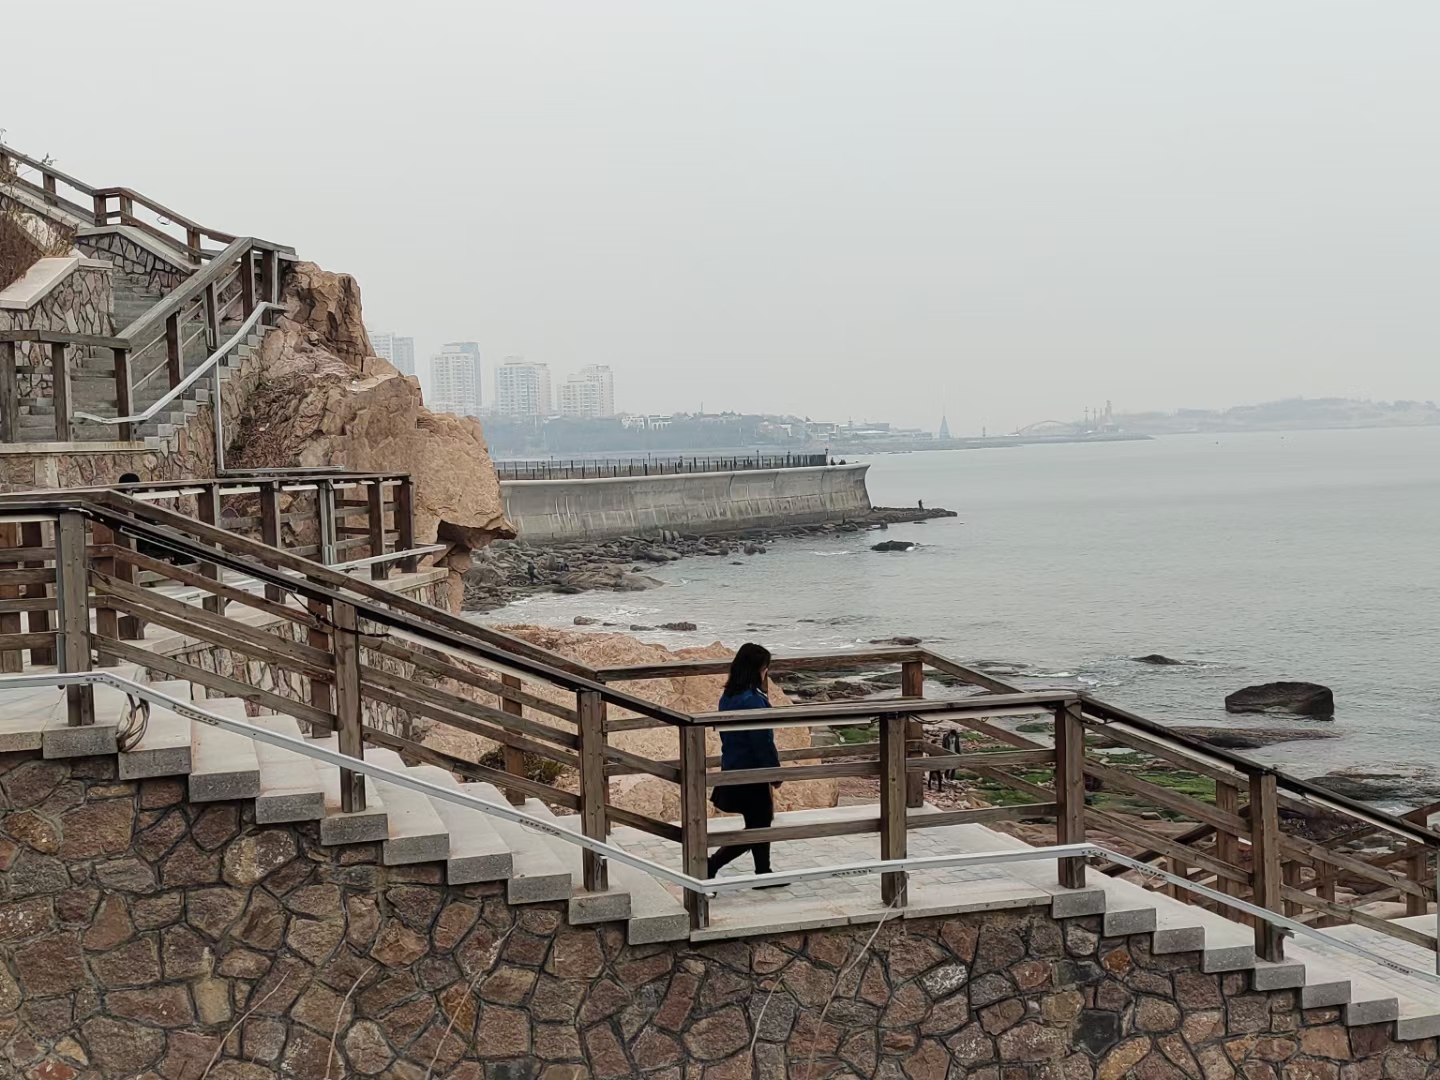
(80, 304)
(126, 255)
(144, 937)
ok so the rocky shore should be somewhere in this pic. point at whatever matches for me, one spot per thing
(508, 570)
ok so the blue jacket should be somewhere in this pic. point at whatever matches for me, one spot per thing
(747, 749)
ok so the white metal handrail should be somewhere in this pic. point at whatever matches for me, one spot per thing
(707, 886)
(191, 379)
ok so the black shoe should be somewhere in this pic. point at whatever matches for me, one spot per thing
(777, 885)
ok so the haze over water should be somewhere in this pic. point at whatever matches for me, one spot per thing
(1299, 555)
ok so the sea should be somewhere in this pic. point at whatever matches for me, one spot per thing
(1255, 557)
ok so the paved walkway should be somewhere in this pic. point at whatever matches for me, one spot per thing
(837, 901)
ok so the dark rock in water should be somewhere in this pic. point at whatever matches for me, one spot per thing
(1252, 738)
(1159, 660)
(1300, 698)
(679, 626)
(899, 639)
(640, 626)
(894, 545)
(585, 620)
(1400, 784)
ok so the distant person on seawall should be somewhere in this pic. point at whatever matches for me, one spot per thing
(745, 689)
(921, 502)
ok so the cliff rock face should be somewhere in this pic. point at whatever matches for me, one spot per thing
(647, 794)
(315, 396)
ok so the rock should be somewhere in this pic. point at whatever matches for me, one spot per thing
(640, 627)
(894, 545)
(1253, 738)
(1159, 660)
(1301, 698)
(899, 639)
(679, 627)
(316, 396)
(1415, 785)
(585, 620)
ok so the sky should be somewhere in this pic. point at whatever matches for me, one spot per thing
(1005, 211)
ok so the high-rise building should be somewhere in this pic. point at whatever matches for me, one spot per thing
(454, 379)
(400, 351)
(522, 388)
(589, 393)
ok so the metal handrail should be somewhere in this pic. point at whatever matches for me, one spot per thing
(704, 886)
(189, 380)
(188, 290)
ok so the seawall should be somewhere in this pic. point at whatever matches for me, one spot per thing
(548, 511)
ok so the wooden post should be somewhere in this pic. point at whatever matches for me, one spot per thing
(48, 181)
(12, 660)
(694, 820)
(174, 353)
(127, 207)
(405, 523)
(318, 638)
(122, 393)
(72, 588)
(325, 520)
(212, 319)
(347, 704)
(893, 826)
(208, 504)
(912, 685)
(1417, 869)
(9, 398)
(102, 209)
(192, 241)
(107, 618)
(514, 756)
(1265, 859)
(375, 518)
(590, 707)
(270, 276)
(247, 284)
(1290, 869)
(270, 529)
(1070, 790)
(32, 534)
(60, 377)
(1227, 844)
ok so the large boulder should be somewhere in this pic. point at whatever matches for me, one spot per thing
(1299, 698)
(313, 396)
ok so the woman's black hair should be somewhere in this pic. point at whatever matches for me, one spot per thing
(129, 478)
(745, 669)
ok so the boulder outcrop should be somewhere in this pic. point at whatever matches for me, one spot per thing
(314, 396)
(1299, 698)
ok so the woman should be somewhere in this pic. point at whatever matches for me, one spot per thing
(745, 689)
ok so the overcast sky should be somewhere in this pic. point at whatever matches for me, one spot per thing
(829, 208)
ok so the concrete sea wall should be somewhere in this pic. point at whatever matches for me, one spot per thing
(547, 511)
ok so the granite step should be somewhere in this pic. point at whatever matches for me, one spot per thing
(1224, 945)
(612, 905)
(415, 834)
(223, 765)
(360, 826)
(477, 853)
(655, 913)
(165, 748)
(290, 789)
(536, 874)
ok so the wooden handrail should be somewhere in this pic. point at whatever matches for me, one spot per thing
(144, 329)
(46, 169)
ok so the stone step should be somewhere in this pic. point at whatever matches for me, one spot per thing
(476, 851)
(612, 905)
(165, 748)
(655, 914)
(359, 827)
(290, 789)
(1416, 1003)
(1180, 927)
(1045, 876)
(537, 875)
(416, 834)
(222, 764)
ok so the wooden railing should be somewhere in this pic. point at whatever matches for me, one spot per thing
(351, 656)
(152, 349)
(114, 206)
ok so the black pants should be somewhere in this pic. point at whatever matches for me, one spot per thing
(753, 802)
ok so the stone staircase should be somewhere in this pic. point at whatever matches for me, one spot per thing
(93, 379)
